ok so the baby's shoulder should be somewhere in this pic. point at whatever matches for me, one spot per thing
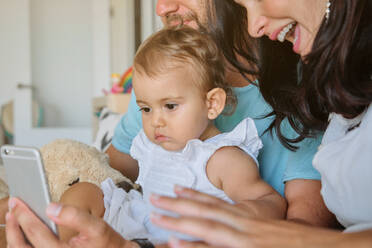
(231, 158)
(230, 153)
(230, 163)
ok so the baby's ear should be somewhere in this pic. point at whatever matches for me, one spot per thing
(216, 99)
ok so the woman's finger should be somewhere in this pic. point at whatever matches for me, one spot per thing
(212, 232)
(238, 209)
(222, 212)
(176, 243)
(21, 217)
(73, 218)
(196, 195)
(14, 235)
(92, 231)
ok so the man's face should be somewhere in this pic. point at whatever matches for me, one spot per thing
(188, 10)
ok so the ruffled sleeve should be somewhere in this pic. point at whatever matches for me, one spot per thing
(244, 136)
(140, 146)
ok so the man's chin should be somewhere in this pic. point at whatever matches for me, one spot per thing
(192, 24)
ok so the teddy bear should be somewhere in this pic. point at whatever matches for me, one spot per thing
(67, 162)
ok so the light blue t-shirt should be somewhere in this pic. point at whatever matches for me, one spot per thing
(277, 164)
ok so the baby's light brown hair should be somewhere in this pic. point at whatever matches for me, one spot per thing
(183, 47)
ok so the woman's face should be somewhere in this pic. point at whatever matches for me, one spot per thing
(297, 21)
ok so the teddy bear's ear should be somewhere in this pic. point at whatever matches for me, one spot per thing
(73, 182)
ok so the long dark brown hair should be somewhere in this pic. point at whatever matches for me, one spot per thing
(225, 19)
(270, 62)
(336, 75)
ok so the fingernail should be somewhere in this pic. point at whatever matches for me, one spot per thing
(174, 242)
(54, 209)
(7, 216)
(77, 240)
(178, 188)
(74, 241)
(11, 203)
(154, 196)
(155, 216)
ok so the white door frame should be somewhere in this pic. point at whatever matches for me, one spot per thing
(150, 22)
(24, 132)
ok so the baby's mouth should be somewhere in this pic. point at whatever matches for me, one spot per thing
(160, 137)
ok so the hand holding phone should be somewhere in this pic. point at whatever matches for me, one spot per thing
(26, 179)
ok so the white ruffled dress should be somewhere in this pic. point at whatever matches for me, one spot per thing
(160, 170)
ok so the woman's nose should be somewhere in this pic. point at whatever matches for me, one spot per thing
(166, 7)
(256, 25)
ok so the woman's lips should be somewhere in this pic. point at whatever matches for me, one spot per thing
(297, 40)
(274, 35)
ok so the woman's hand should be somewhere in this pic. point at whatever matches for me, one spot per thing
(92, 232)
(219, 223)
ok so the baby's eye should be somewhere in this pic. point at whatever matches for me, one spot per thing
(171, 106)
(145, 109)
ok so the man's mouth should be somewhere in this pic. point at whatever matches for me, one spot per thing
(176, 19)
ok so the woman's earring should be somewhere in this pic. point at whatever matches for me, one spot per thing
(328, 10)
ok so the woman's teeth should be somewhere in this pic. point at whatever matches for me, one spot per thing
(285, 31)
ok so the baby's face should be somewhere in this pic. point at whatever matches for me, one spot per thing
(173, 108)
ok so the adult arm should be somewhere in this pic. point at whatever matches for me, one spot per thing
(92, 231)
(302, 186)
(306, 205)
(123, 162)
(221, 224)
(118, 152)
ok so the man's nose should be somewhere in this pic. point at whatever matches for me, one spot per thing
(166, 7)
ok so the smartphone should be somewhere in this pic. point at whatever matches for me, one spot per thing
(25, 176)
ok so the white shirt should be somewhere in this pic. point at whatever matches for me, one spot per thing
(344, 161)
(160, 170)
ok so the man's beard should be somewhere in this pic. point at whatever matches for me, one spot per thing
(178, 20)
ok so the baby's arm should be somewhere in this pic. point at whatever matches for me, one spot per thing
(236, 173)
(86, 196)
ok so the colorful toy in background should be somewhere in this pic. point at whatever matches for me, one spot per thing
(123, 84)
(117, 98)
